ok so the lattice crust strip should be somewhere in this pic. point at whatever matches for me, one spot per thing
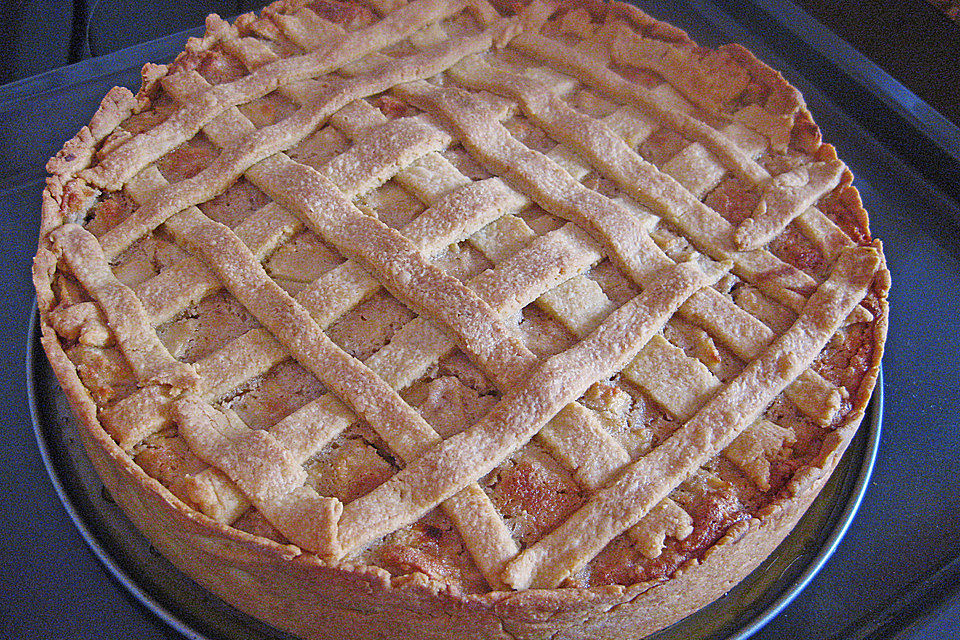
(186, 409)
(571, 435)
(127, 160)
(493, 541)
(732, 325)
(632, 495)
(400, 449)
(465, 96)
(528, 270)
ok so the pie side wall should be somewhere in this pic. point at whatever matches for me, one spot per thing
(299, 594)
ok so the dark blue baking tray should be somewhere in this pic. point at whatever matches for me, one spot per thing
(895, 572)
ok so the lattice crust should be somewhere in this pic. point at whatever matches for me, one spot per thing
(552, 299)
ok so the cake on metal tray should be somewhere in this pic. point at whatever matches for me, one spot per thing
(442, 319)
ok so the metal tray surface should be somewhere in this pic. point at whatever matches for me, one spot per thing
(198, 615)
(896, 572)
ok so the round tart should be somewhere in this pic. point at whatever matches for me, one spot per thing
(443, 319)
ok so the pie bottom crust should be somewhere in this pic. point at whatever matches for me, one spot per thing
(301, 595)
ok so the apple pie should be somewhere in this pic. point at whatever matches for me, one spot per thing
(450, 319)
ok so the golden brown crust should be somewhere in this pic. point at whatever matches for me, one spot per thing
(297, 591)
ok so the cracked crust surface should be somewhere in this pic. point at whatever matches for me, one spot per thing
(460, 320)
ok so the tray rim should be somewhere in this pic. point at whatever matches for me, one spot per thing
(873, 422)
(119, 574)
(839, 518)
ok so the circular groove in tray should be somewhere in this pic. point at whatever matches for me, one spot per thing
(198, 615)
